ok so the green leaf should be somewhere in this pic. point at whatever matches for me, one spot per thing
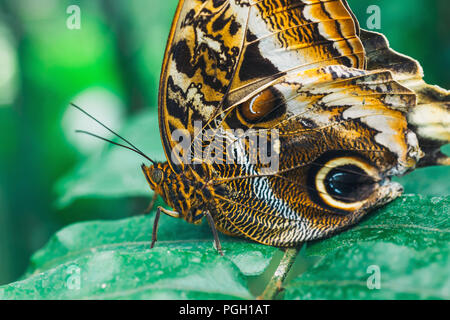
(408, 242)
(113, 260)
(431, 181)
(115, 172)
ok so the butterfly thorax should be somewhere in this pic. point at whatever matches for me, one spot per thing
(188, 193)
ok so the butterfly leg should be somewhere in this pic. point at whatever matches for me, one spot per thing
(151, 204)
(214, 231)
(156, 222)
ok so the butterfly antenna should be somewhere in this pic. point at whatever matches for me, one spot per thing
(132, 146)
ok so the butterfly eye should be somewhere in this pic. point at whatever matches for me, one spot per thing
(344, 183)
(157, 176)
(265, 106)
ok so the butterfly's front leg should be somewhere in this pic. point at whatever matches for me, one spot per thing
(196, 215)
(151, 204)
(212, 225)
(156, 222)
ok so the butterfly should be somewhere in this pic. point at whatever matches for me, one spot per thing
(283, 121)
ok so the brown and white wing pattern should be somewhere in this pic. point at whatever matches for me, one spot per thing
(219, 52)
(430, 119)
(348, 112)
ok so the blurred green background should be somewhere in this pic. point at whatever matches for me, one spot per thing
(111, 67)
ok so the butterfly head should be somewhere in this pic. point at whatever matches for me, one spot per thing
(155, 175)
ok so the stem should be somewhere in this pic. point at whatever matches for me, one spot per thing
(274, 287)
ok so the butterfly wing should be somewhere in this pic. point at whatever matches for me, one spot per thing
(297, 68)
(219, 52)
(430, 119)
(336, 118)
